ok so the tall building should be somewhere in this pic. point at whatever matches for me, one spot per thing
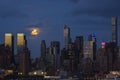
(111, 55)
(119, 50)
(56, 52)
(92, 37)
(114, 30)
(67, 36)
(78, 51)
(9, 40)
(43, 49)
(88, 49)
(72, 59)
(118, 60)
(21, 42)
(102, 59)
(43, 57)
(56, 47)
(53, 57)
(24, 62)
(79, 45)
(9, 43)
(23, 54)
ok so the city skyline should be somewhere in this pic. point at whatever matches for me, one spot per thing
(82, 16)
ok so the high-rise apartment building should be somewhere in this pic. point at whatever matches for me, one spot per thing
(67, 38)
(114, 30)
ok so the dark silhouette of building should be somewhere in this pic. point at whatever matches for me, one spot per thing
(55, 45)
(114, 30)
(49, 61)
(78, 51)
(101, 60)
(43, 49)
(43, 60)
(5, 57)
(72, 59)
(118, 60)
(107, 57)
(111, 51)
(24, 63)
(52, 60)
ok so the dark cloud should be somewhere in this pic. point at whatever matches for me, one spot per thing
(12, 14)
(98, 8)
(11, 11)
(75, 1)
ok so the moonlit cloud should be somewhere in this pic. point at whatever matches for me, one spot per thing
(35, 31)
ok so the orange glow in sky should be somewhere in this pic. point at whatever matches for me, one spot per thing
(35, 31)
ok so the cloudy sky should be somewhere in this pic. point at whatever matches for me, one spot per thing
(82, 16)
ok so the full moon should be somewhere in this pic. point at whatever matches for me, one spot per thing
(35, 31)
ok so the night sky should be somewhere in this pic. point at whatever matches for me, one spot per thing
(82, 16)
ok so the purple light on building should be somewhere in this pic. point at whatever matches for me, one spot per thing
(103, 43)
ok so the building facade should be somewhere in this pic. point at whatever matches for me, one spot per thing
(67, 39)
(88, 49)
(9, 44)
(23, 54)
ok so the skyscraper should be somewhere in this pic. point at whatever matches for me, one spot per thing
(88, 49)
(78, 51)
(114, 30)
(24, 62)
(67, 36)
(43, 57)
(21, 42)
(92, 37)
(9, 43)
(43, 49)
(9, 40)
(79, 45)
(55, 45)
(23, 54)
